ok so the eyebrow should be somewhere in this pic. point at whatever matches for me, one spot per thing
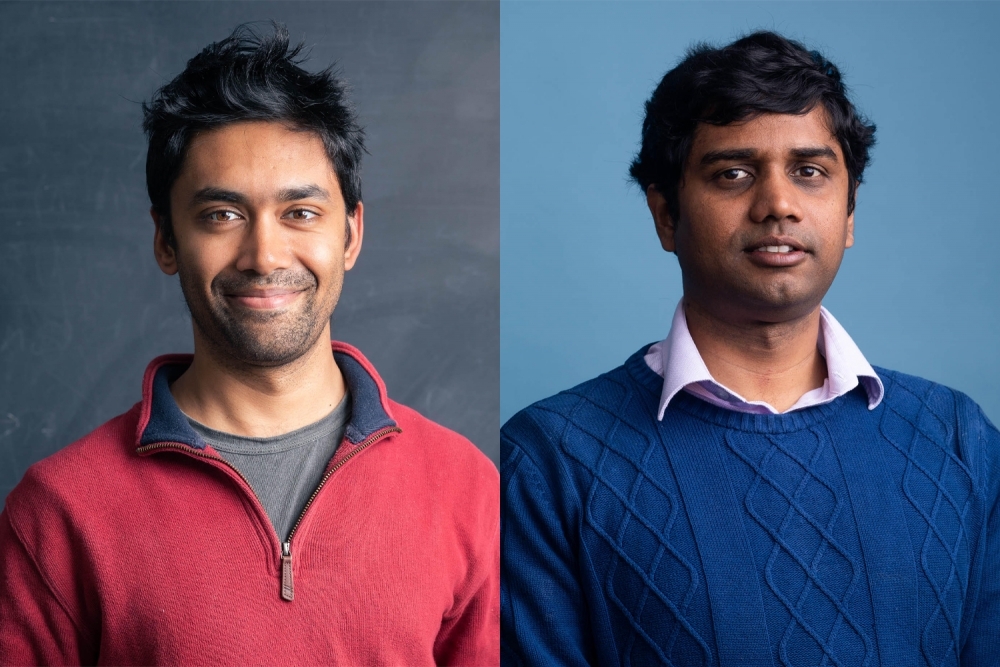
(731, 155)
(212, 194)
(311, 191)
(817, 151)
(208, 195)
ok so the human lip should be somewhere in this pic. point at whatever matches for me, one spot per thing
(264, 299)
(777, 251)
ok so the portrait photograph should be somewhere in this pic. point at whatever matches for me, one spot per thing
(749, 303)
(249, 349)
(584, 279)
(86, 308)
(525, 333)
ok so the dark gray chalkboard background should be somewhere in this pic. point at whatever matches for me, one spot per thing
(83, 306)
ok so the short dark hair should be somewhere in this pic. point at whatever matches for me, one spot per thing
(245, 77)
(757, 74)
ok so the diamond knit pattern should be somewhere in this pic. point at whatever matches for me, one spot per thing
(831, 536)
(939, 487)
(798, 508)
(635, 516)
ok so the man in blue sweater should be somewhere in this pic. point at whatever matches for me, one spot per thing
(750, 491)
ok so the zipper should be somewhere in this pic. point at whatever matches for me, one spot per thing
(287, 583)
(367, 442)
(188, 449)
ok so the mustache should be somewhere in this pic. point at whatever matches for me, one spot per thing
(228, 283)
(803, 240)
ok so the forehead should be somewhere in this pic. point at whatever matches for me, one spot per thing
(768, 134)
(256, 158)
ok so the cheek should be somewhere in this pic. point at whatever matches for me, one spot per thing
(202, 264)
(707, 234)
(837, 229)
(324, 258)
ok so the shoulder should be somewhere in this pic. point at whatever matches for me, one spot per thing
(911, 396)
(437, 471)
(585, 414)
(910, 392)
(79, 480)
(85, 461)
(443, 450)
(943, 415)
(548, 417)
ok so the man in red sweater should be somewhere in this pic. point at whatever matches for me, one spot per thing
(265, 501)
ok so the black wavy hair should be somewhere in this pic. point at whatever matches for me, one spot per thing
(245, 77)
(760, 73)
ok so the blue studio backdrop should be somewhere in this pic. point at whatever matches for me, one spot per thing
(584, 282)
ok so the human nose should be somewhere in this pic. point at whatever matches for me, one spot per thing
(776, 199)
(264, 247)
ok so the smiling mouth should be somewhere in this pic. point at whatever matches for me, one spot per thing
(265, 299)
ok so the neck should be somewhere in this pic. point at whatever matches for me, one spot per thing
(774, 362)
(253, 401)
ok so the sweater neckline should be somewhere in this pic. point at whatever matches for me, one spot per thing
(787, 422)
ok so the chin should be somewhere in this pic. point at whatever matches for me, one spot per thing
(781, 306)
(262, 338)
(270, 347)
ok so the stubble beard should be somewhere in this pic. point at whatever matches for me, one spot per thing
(763, 293)
(244, 337)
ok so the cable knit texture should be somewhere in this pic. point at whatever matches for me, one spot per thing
(832, 535)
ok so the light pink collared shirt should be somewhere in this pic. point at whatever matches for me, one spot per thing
(676, 359)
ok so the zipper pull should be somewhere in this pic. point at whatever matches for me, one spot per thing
(287, 586)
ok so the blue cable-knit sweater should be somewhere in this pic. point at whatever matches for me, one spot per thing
(833, 535)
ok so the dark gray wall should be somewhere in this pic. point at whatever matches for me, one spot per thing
(83, 307)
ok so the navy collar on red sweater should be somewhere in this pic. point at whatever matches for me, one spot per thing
(168, 424)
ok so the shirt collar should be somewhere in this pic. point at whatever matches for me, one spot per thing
(677, 360)
(846, 366)
(161, 420)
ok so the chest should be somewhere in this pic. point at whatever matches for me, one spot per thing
(199, 580)
(829, 545)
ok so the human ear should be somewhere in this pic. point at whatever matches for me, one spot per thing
(356, 225)
(165, 253)
(665, 225)
(850, 220)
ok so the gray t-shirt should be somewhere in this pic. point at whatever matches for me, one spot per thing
(283, 470)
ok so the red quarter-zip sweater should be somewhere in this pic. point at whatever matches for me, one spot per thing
(139, 545)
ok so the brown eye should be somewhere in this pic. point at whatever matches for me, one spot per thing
(223, 216)
(809, 172)
(301, 214)
(735, 174)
